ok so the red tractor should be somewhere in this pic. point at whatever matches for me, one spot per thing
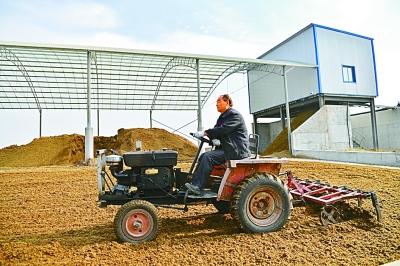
(248, 189)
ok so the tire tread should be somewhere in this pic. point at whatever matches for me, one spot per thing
(235, 204)
(130, 205)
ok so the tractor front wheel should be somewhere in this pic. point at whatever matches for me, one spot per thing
(261, 203)
(137, 221)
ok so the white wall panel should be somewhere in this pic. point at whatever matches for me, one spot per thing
(336, 49)
(302, 82)
(269, 91)
(266, 90)
(298, 49)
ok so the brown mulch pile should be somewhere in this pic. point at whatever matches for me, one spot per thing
(281, 141)
(70, 149)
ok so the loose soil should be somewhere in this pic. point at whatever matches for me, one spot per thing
(49, 215)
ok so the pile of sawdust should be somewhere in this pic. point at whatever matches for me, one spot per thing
(70, 149)
(281, 141)
(281, 154)
(45, 151)
(154, 139)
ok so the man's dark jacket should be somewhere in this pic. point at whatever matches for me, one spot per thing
(232, 132)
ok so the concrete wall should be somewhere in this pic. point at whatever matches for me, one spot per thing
(388, 125)
(372, 158)
(328, 129)
(268, 133)
(328, 133)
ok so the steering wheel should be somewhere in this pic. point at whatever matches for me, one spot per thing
(203, 139)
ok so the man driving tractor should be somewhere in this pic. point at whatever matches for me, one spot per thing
(229, 136)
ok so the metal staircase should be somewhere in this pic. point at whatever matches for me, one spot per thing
(357, 140)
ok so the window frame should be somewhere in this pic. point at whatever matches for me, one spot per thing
(350, 72)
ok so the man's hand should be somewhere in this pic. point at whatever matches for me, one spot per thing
(216, 142)
(198, 134)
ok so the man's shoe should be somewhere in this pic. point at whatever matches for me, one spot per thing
(195, 189)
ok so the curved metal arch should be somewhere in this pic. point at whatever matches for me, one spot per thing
(277, 69)
(174, 62)
(5, 53)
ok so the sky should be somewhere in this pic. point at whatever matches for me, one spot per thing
(210, 27)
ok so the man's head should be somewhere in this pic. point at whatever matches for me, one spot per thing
(224, 102)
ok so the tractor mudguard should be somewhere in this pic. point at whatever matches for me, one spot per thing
(240, 169)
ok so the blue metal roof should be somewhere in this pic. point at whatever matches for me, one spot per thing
(313, 25)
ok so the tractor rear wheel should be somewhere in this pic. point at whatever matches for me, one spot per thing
(137, 221)
(261, 203)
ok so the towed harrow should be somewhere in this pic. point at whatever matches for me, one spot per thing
(306, 191)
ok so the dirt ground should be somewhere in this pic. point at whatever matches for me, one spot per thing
(49, 215)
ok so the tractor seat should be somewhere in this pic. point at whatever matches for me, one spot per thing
(253, 145)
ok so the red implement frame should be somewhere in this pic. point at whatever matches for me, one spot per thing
(324, 194)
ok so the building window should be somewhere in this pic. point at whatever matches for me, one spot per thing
(349, 73)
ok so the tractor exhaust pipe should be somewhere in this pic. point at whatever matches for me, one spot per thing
(117, 171)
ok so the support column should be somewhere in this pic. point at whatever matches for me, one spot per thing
(199, 115)
(151, 118)
(287, 110)
(283, 121)
(98, 122)
(40, 123)
(255, 125)
(89, 130)
(321, 101)
(373, 124)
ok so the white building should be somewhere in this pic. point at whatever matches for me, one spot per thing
(345, 74)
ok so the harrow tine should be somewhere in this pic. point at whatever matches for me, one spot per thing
(359, 199)
(375, 203)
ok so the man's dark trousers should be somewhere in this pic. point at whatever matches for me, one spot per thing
(204, 168)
